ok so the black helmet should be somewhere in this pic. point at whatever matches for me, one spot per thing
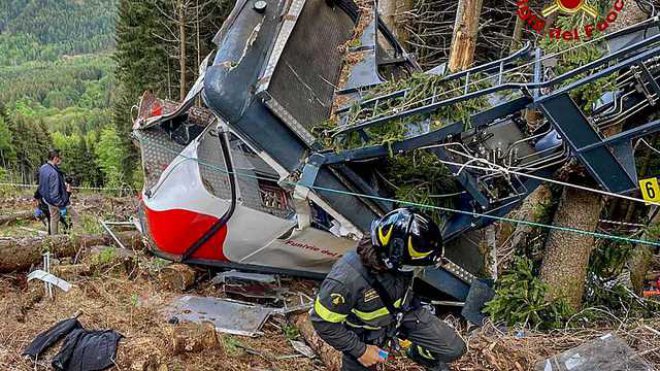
(406, 237)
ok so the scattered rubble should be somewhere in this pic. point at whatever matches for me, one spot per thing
(134, 300)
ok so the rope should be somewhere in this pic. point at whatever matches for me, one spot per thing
(426, 206)
(558, 182)
(650, 146)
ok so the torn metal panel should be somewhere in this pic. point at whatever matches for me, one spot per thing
(232, 276)
(607, 353)
(228, 316)
(303, 348)
(251, 285)
(49, 278)
(255, 291)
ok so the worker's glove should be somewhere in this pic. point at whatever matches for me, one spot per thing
(38, 214)
(63, 212)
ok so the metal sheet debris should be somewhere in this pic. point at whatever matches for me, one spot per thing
(607, 353)
(49, 278)
(229, 276)
(303, 348)
(264, 287)
(228, 316)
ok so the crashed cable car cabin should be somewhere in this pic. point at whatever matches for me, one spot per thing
(246, 182)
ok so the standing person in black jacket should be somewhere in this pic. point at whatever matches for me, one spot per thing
(54, 191)
(352, 314)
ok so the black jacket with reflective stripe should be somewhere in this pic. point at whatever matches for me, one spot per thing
(347, 304)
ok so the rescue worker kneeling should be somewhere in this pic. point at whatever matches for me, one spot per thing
(350, 313)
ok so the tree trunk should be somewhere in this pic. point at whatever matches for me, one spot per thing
(18, 254)
(464, 40)
(182, 50)
(516, 41)
(387, 10)
(567, 253)
(328, 355)
(640, 259)
(391, 13)
(511, 236)
(14, 217)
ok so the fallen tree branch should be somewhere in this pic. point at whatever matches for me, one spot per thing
(17, 254)
(330, 356)
(15, 217)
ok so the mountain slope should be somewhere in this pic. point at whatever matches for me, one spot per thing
(45, 30)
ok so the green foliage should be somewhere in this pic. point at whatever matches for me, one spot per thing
(520, 300)
(653, 231)
(54, 97)
(110, 156)
(89, 224)
(609, 258)
(58, 78)
(30, 143)
(134, 300)
(608, 262)
(419, 88)
(37, 30)
(145, 46)
(77, 150)
(83, 81)
(419, 178)
(7, 154)
(159, 263)
(105, 257)
(290, 332)
(573, 57)
(232, 345)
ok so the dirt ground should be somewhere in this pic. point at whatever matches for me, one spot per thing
(134, 308)
(130, 298)
(125, 298)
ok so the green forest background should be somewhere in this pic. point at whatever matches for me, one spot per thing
(70, 71)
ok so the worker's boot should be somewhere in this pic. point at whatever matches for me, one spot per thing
(424, 358)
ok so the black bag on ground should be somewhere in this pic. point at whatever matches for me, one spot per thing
(85, 350)
(49, 337)
(82, 350)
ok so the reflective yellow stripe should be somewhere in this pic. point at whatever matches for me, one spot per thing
(366, 327)
(414, 254)
(425, 353)
(385, 238)
(370, 316)
(326, 314)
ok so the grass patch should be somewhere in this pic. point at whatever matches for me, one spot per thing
(290, 332)
(232, 346)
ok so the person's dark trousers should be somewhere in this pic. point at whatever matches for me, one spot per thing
(348, 363)
(434, 343)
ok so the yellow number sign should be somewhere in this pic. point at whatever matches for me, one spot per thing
(650, 189)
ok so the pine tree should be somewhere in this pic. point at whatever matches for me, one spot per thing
(111, 157)
(141, 65)
(148, 51)
(7, 151)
